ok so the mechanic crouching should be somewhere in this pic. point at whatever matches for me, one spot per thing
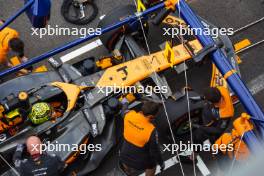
(11, 49)
(38, 163)
(140, 150)
(217, 112)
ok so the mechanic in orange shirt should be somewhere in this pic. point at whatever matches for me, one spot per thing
(140, 150)
(10, 47)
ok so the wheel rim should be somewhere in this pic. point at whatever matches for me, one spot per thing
(183, 127)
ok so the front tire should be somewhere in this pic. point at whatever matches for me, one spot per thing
(177, 111)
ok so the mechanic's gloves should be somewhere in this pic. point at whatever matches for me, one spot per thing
(162, 167)
(196, 126)
(196, 98)
(129, 98)
(125, 104)
(20, 147)
(124, 101)
(224, 124)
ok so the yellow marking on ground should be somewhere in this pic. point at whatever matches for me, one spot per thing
(242, 44)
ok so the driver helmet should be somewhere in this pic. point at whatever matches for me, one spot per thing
(40, 113)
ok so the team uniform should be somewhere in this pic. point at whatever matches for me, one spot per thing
(42, 165)
(140, 149)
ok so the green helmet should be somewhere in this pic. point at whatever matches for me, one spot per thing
(40, 113)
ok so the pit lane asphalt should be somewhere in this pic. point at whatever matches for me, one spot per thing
(222, 13)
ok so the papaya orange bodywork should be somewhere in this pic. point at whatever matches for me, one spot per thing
(72, 92)
(130, 72)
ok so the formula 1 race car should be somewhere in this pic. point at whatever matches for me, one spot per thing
(84, 111)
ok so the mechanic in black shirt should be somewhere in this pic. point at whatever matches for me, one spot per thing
(140, 150)
(38, 163)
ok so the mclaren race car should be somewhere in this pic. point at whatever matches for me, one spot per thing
(81, 108)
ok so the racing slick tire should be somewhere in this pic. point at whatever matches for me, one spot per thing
(178, 117)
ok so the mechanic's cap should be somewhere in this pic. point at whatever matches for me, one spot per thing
(40, 113)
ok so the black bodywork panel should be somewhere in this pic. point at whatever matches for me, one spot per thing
(27, 82)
